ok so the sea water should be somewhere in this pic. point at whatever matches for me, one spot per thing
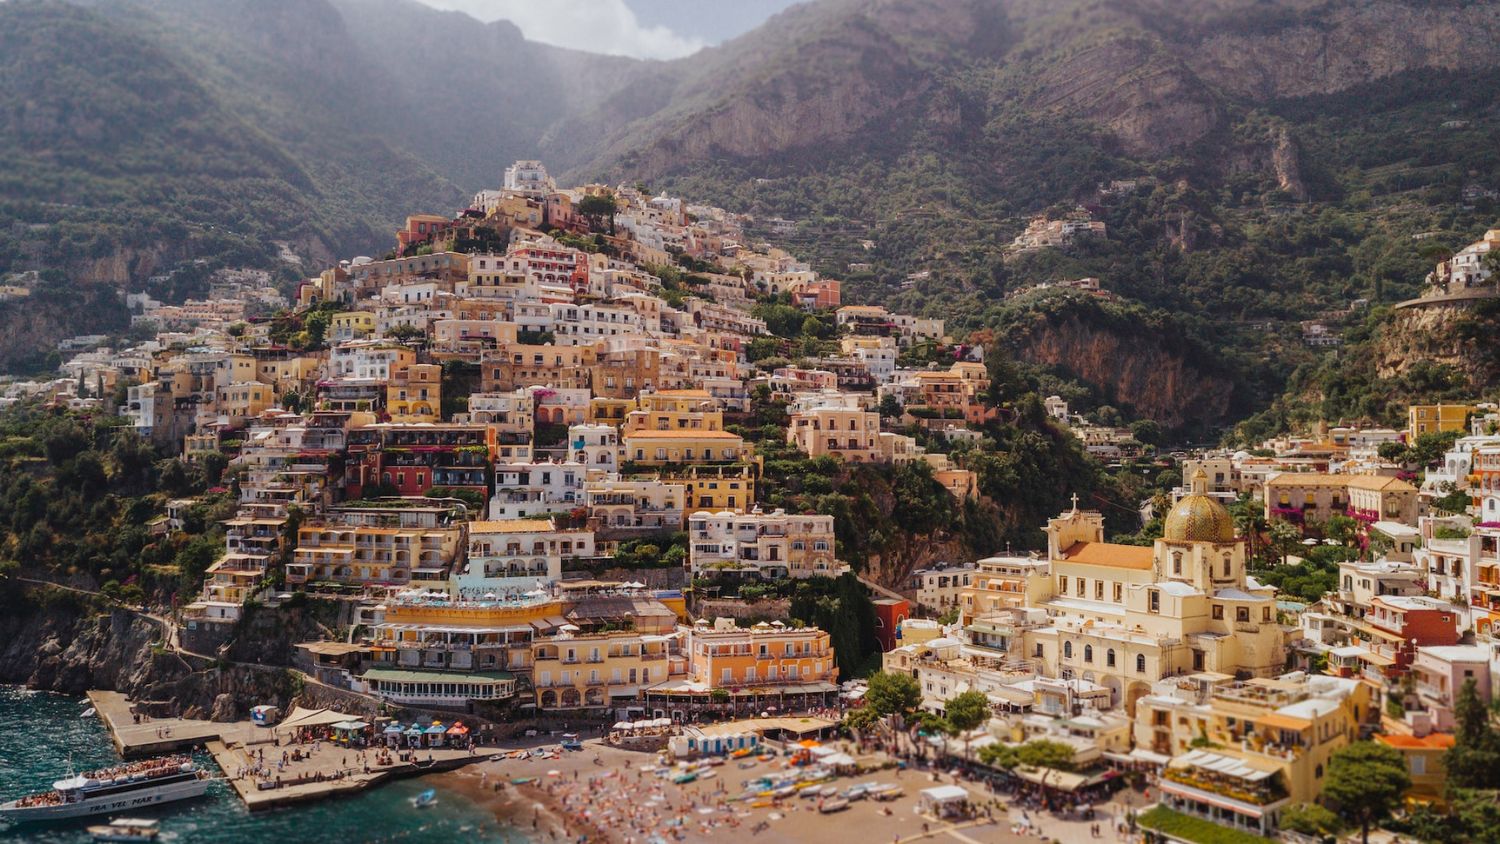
(43, 736)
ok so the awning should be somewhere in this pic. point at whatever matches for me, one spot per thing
(301, 718)
(1052, 778)
(1285, 722)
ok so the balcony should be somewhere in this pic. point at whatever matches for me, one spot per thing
(1262, 792)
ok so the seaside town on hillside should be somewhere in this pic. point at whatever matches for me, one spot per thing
(526, 455)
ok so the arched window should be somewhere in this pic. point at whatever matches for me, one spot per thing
(1067, 650)
(1226, 565)
(1140, 663)
(1109, 658)
(1088, 653)
(1177, 562)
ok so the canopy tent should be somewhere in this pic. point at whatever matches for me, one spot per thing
(351, 726)
(623, 725)
(1052, 778)
(458, 729)
(302, 718)
(839, 760)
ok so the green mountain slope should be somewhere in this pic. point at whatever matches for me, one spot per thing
(1285, 152)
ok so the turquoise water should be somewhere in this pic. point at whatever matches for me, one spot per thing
(40, 732)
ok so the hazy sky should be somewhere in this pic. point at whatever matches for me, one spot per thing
(648, 29)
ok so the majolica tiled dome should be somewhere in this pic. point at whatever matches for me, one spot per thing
(1198, 518)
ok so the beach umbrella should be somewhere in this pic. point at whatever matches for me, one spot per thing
(622, 725)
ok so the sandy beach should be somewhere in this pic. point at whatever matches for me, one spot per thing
(603, 794)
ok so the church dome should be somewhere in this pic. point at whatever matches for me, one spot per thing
(1198, 518)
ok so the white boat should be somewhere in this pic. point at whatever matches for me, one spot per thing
(425, 799)
(118, 789)
(87, 713)
(127, 829)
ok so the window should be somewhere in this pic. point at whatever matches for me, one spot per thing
(1218, 612)
(1265, 613)
(1109, 658)
(1062, 584)
(1227, 565)
(1241, 613)
(1155, 604)
(1177, 562)
(1098, 590)
(1067, 650)
(1088, 653)
(1140, 663)
(1039, 652)
(1119, 592)
(1082, 586)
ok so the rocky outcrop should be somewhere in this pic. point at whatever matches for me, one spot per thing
(1436, 335)
(1345, 45)
(67, 647)
(1135, 369)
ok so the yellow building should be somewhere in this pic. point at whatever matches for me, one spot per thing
(1435, 418)
(853, 435)
(716, 488)
(244, 399)
(415, 393)
(1126, 616)
(594, 670)
(1260, 745)
(1424, 764)
(1001, 583)
(660, 448)
(351, 325)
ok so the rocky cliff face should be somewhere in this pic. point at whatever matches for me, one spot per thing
(1433, 335)
(1137, 371)
(1345, 45)
(67, 649)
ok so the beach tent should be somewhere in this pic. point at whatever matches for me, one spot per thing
(302, 718)
(414, 735)
(435, 734)
(392, 733)
(944, 800)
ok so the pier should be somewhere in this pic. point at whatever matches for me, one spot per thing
(155, 736)
(239, 747)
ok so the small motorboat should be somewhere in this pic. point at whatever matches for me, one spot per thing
(684, 778)
(87, 713)
(127, 829)
(570, 742)
(835, 805)
(741, 753)
(425, 799)
(522, 780)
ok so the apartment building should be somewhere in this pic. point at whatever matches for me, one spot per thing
(769, 545)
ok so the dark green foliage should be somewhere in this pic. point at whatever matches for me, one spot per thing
(1365, 782)
(842, 607)
(76, 493)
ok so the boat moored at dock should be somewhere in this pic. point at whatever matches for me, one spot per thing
(121, 788)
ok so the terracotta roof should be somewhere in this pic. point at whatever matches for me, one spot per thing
(1431, 741)
(1109, 554)
(1380, 483)
(512, 526)
(682, 435)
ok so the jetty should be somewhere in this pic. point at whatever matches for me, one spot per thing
(251, 756)
(145, 736)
